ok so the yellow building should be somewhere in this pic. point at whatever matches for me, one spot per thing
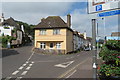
(54, 34)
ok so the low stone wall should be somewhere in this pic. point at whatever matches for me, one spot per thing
(48, 51)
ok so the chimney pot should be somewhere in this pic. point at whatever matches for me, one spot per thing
(43, 19)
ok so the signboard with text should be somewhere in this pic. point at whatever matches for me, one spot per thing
(96, 6)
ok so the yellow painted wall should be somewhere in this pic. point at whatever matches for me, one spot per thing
(65, 38)
(69, 39)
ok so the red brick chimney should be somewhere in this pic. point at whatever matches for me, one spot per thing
(69, 20)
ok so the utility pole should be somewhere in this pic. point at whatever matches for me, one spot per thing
(94, 48)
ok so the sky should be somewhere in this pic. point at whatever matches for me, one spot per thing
(33, 12)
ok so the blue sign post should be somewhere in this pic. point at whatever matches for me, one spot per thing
(109, 13)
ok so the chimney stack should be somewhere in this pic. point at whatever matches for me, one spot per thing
(42, 20)
(69, 20)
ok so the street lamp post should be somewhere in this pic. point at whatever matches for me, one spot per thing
(94, 48)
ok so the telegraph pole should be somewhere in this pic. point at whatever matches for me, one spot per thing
(94, 48)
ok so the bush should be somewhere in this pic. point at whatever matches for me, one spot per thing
(110, 53)
(6, 39)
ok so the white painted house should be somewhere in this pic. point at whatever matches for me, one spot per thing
(11, 28)
(78, 40)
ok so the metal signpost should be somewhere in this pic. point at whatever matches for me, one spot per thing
(102, 8)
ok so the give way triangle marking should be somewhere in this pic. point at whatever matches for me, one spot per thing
(64, 65)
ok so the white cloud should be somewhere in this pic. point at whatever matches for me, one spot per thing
(81, 22)
(32, 12)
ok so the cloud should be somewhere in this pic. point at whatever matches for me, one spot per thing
(81, 22)
(31, 12)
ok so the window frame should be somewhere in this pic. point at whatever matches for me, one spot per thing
(42, 45)
(42, 32)
(56, 31)
(58, 45)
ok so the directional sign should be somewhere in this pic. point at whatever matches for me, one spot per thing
(109, 13)
(64, 65)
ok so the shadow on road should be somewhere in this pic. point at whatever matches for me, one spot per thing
(8, 52)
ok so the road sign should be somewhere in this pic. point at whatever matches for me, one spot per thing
(109, 13)
(98, 7)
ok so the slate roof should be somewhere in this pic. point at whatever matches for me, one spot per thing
(52, 22)
(11, 22)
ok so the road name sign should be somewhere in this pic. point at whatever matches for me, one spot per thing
(109, 13)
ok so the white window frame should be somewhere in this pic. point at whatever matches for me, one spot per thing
(58, 45)
(56, 31)
(42, 45)
(43, 32)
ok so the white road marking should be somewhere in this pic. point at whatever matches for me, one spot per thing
(64, 74)
(21, 67)
(64, 65)
(71, 74)
(30, 56)
(8, 78)
(28, 68)
(30, 64)
(14, 73)
(24, 73)
(18, 78)
(27, 62)
(24, 64)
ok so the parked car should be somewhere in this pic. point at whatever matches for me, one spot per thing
(87, 49)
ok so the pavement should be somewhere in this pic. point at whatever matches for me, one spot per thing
(20, 63)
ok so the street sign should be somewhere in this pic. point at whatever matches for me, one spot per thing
(98, 7)
(109, 13)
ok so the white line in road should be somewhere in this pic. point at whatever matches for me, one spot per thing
(30, 56)
(18, 78)
(14, 73)
(21, 67)
(28, 68)
(24, 64)
(27, 62)
(64, 65)
(24, 73)
(64, 74)
(8, 78)
(30, 64)
(71, 74)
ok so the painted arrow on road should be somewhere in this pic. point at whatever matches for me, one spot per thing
(64, 65)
